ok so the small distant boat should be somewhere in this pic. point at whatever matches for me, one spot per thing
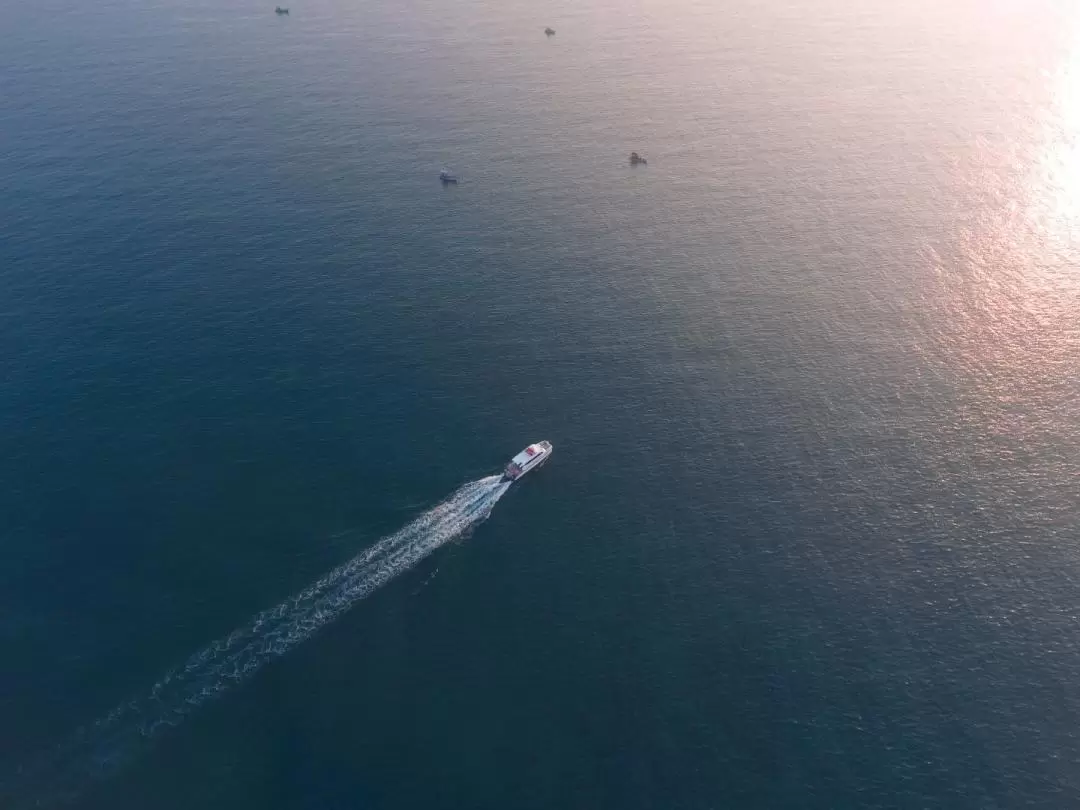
(636, 159)
(549, 31)
(528, 459)
(447, 176)
(280, 10)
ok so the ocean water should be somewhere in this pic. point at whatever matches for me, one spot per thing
(809, 535)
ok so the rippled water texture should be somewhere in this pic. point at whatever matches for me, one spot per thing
(808, 539)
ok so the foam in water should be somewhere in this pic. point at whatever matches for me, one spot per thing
(98, 751)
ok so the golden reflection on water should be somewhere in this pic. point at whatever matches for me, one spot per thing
(1009, 335)
(1044, 241)
(1054, 198)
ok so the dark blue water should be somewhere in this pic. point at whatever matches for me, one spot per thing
(808, 538)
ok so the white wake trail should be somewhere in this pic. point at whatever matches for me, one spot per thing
(98, 751)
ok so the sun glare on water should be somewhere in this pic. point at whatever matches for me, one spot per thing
(1006, 327)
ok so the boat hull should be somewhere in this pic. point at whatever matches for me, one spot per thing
(529, 459)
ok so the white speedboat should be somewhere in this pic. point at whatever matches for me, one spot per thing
(447, 176)
(528, 459)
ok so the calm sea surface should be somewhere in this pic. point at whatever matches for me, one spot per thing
(810, 537)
